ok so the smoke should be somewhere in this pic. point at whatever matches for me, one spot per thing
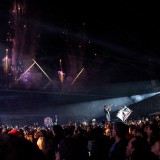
(25, 35)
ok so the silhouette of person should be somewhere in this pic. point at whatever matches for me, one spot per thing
(107, 110)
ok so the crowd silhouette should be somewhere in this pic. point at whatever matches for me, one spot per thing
(132, 140)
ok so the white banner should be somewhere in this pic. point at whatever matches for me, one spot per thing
(124, 113)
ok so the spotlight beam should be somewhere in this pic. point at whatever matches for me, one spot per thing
(41, 69)
(26, 71)
(78, 75)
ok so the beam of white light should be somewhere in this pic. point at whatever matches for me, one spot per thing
(41, 69)
(138, 98)
(78, 75)
(94, 109)
(26, 71)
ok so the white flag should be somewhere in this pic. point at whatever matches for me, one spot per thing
(124, 113)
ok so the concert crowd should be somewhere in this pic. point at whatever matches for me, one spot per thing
(130, 140)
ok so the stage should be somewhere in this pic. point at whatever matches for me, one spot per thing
(29, 106)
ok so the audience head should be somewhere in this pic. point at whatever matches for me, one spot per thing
(120, 129)
(156, 148)
(13, 147)
(138, 148)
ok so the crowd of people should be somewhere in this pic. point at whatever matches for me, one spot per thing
(134, 140)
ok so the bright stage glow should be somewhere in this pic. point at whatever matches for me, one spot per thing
(94, 109)
(6, 62)
(61, 76)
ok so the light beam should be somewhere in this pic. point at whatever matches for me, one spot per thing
(78, 75)
(26, 71)
(41, 69)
